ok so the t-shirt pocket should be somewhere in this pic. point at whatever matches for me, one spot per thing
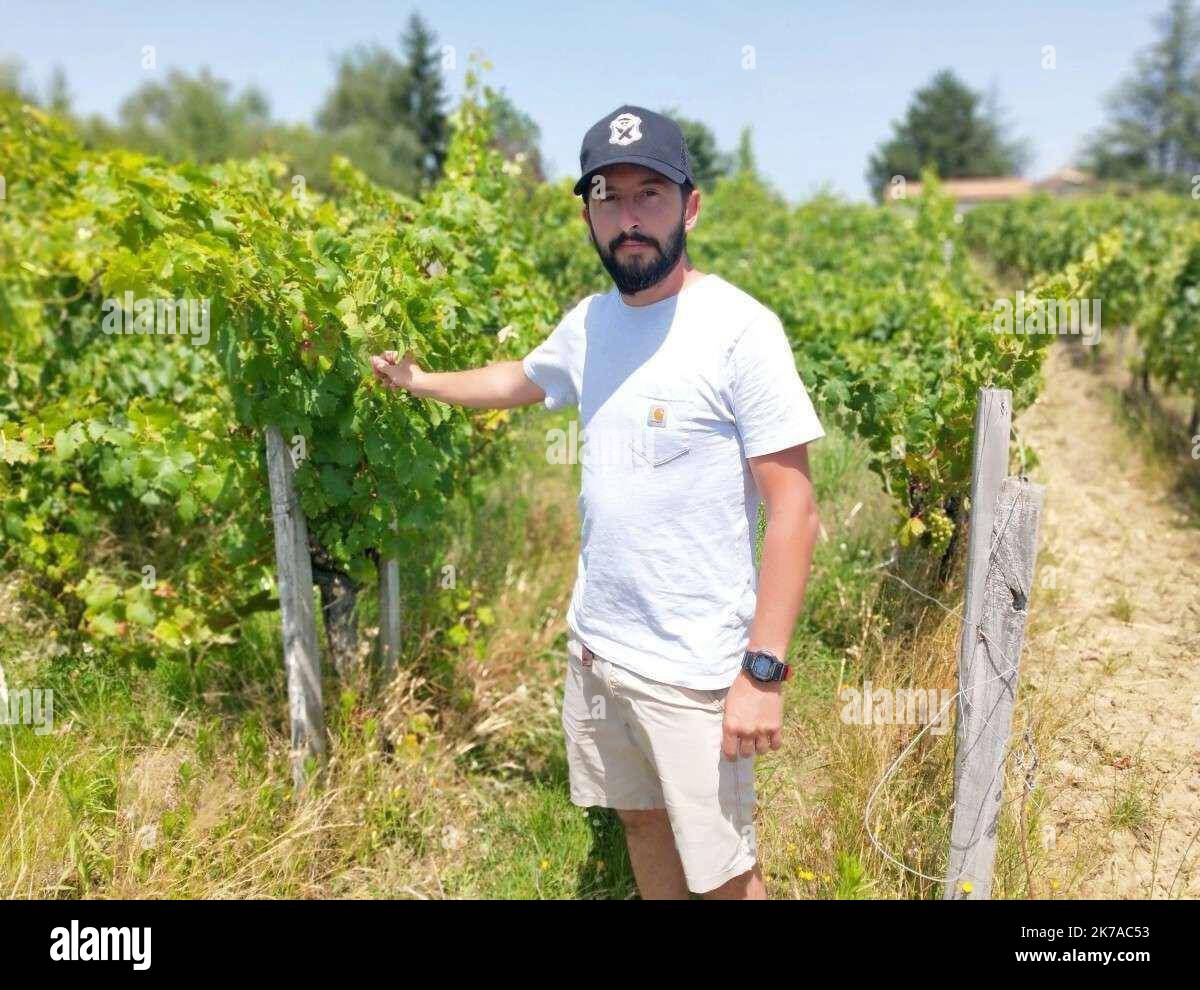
(663, 420)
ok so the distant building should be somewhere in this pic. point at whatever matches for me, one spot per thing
(1067, 182)
(969, 193)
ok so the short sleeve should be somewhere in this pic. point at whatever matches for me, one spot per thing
(548, 365)
(771, 407)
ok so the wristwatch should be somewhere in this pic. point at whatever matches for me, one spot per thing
(763, 665)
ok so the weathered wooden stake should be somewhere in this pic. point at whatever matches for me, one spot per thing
(1002, 548)
(389, 614)
(300, 655)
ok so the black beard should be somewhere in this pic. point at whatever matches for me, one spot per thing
(636, 275)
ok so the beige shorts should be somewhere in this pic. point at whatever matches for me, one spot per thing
(636, 744)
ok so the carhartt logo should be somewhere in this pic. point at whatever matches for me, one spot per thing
(77, 944)
(625, 128)
(657, 416)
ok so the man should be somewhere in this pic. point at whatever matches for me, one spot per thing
(674, 677)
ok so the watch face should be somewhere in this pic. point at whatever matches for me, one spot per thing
(762, 668)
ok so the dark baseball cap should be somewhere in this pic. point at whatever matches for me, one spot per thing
(637, 136)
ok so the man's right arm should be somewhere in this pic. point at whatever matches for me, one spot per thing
(500, 385)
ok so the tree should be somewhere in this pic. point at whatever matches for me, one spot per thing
(708, 162)
(397, 102)
(948, 126)
(517, 133)
(195, 118)
(58, 99)
(744, 157)
(369, 89)
(1154, 132)
(423, 95)
(13, 80)
(366, 117)
(390, 160)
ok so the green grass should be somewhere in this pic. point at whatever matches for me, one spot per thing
(1122, 608)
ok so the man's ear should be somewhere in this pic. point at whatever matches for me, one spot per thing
(690, 222)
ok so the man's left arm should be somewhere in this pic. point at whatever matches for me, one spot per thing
(754, 709)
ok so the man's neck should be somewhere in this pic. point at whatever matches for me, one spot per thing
(678, 279)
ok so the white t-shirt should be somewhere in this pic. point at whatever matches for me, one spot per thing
(673, 397)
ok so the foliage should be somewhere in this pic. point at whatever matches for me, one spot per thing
(947, 127)
(1150, 281)
(302, 289)
(1153, 134)
(707, 160)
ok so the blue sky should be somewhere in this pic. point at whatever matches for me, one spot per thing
(828, 78)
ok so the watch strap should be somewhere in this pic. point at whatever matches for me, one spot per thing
(780, 671)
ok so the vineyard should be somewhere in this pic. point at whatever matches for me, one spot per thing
(163, 434)
(135, 512)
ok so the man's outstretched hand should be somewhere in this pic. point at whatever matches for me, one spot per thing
(393, 371)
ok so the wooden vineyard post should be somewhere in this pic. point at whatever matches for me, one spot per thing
(1001, 551)
(294, 566)
(389, 613)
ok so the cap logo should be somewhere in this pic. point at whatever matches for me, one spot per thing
(624, 129)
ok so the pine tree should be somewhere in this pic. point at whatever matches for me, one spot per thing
(422, 95)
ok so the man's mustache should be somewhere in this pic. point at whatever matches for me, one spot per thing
(623, 239)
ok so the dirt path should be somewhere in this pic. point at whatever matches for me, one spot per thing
(1111, 672)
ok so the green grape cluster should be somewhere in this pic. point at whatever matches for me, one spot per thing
(940, 528)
